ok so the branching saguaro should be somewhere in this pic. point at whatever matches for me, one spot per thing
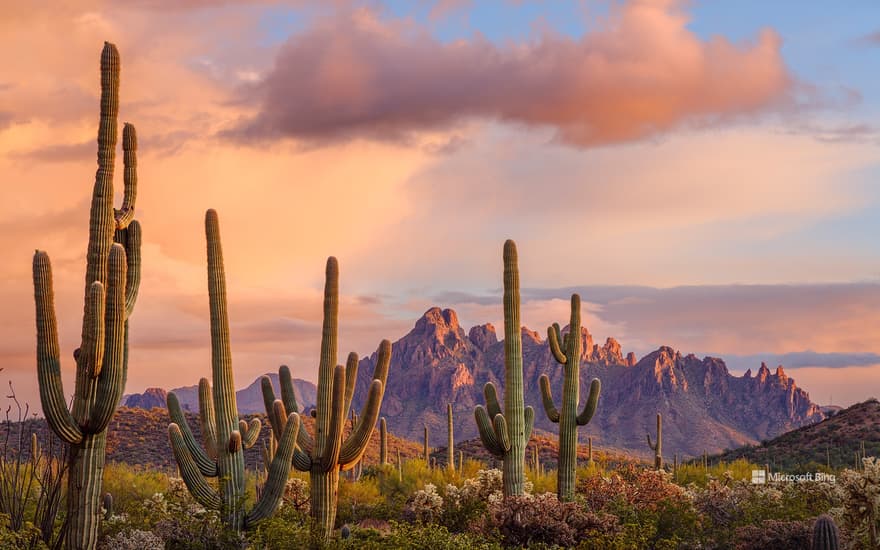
(506, 434)
(113, 267)
(327, 453)
(226, 437)
(567, 352)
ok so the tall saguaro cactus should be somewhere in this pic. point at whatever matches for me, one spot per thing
(567, 352)
(113, 267)
(506, 434)
(450, 447)
(225, 435)
(657, 447)
(327, 453)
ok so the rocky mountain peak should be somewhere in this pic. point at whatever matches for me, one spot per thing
(152, 397)
(483, 336)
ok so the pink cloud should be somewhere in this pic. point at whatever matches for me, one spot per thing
(641, 73)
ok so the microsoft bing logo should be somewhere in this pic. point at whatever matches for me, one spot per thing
(759, 477)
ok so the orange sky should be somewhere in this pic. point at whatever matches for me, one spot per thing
(639, 153)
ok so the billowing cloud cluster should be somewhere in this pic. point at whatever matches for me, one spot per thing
(641, 73)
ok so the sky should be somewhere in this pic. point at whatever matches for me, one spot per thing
(704, 173)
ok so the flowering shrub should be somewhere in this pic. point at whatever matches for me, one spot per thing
(134, 539)
(425, 505)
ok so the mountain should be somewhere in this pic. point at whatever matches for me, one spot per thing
(249, 399)
(835, 440)
(704, 407)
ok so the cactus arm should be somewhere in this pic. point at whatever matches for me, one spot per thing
(651, 445)
(487, 432)
(269, 404)
(329, 458)
(351, 369)
(500, 425)
(354, 447)
(590, 406)
(189, 471)
(529, 414)
(110, 386)
(92, 350)
(301, 460)
(125, 215)
(278, 472)
(554, 340)
(287, 394)
(234, 444)
(547, 399)
(48, 355)
(249, 432)
(207, 467)
(492, 406)
(130, 238)
(208, 419)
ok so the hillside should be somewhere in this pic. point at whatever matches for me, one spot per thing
(835, 440)
(140, 437)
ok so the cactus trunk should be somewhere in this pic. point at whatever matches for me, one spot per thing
(84, 503)
(426, 451)
(324, 490)
(383, 442)
(657, 447)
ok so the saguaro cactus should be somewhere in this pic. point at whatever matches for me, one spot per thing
(567, 352)
(658, 447)
(383, 442)
(426, 450)
(328, 452)
(590, 449)
(826, 536)
(225, 435)
(450, 446)
(506, 435)
(113, 267)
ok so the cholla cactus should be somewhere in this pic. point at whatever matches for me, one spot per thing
(425, 505)
(861, 500)
(113, 266)
(328, 452)
(226, 437)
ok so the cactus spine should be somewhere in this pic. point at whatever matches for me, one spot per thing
(567, 352)
(327, 453)
(657, 447)
(383, 442)
(225, 435)
(506, 434)
(113, 266)
(825, 534)
(450, 447)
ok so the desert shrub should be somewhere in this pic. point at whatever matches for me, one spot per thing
(133, 539)
(542, 520)
(779, 535)
(359, 500)
(288, 528)
(25, 537)
(131, 485)
(418, 537)
(424, 506)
